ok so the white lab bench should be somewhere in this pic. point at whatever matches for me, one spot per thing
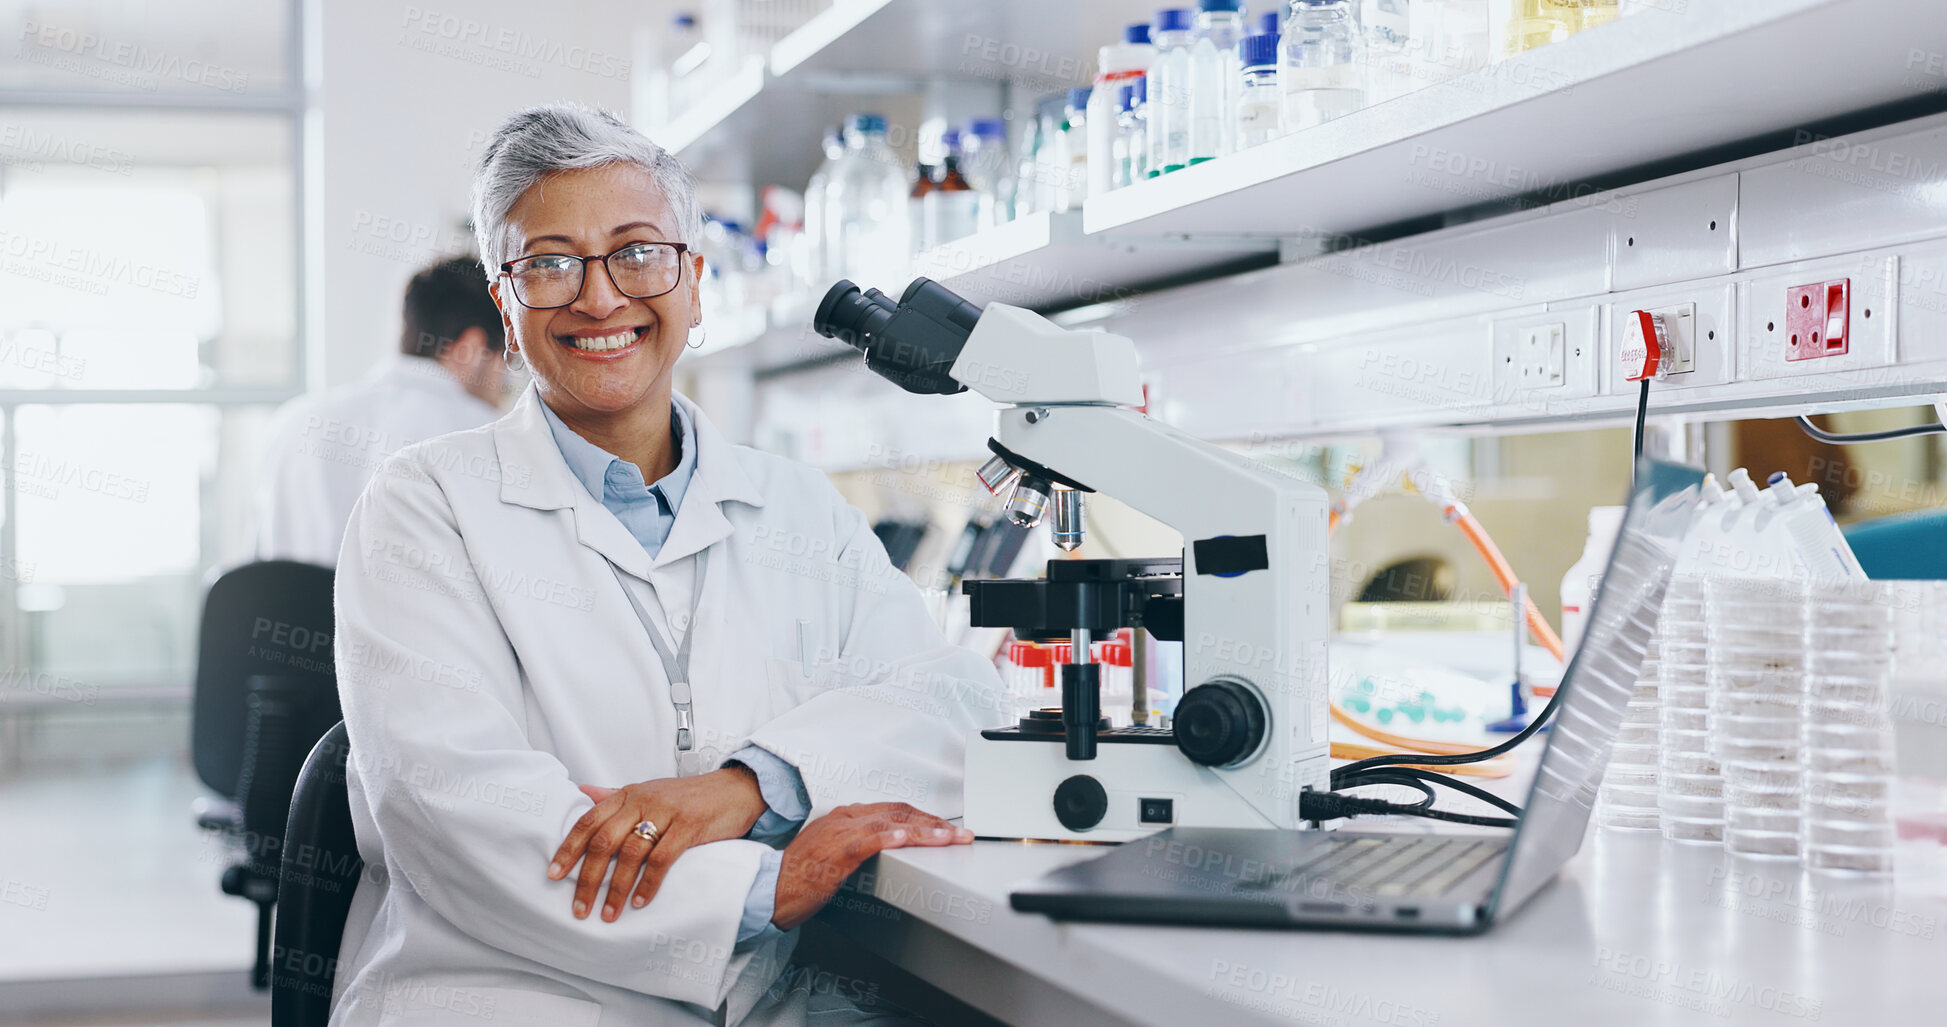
(1635, 931)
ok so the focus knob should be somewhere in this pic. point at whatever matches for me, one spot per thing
(1080, 802)
(1220, 723)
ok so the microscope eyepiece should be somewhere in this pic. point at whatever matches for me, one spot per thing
(912, 343)
(852, 315)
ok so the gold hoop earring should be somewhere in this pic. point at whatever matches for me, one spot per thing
(507, 356)
(698, 336)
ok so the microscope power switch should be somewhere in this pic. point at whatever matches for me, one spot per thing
(1156, 811)
(1080, 802)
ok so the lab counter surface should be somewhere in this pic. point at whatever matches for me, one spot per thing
(1635, 931)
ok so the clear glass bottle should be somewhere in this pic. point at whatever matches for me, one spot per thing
(989, 168)
(1216, 79)
(1073, 186)
(1599, 12)
(867, 205)
(1126, 149)
(915, 209)
(1027, 180)
(1139, 130)
(951, 210)
(1169, 91)
(815, 259)
(1516, 26)
(1322, 73)
(1117, 66)
(1051, 156)
(1387, 30)
(1449, 39)
(1258, 99)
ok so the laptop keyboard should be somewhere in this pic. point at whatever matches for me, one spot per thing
(1387, 867)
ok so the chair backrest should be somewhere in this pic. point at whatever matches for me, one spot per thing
(1902, 546)
(266, 688)
(321, 869)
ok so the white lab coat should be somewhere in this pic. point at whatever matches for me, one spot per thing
(489, 663)
(323, 449)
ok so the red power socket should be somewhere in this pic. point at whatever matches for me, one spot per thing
(1818, 319)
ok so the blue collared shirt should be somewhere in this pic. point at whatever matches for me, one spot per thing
(649, 512)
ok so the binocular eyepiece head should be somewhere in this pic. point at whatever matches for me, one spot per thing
(912, 343)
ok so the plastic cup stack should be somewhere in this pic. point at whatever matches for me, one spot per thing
(1919, 693)
(1690, 787)
(1756, 630)
(1848, 736)
(1628, 796)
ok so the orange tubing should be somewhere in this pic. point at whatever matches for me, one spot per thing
(1537, 624)
(1538, 627)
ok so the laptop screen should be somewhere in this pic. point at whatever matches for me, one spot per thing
(1596, 688)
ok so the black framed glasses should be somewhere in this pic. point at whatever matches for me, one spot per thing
(640, 271)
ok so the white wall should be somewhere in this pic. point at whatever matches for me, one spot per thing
(409, 92)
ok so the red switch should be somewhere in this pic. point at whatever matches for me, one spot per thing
(1835, 315)
(1642, 345)
(1817, 319)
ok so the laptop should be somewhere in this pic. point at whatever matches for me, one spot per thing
(1447, 883)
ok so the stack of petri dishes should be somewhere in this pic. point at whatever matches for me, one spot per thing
(1628, 796)
(1848, 735)
(1918, 693)
(1690, 787)
(1757, 647)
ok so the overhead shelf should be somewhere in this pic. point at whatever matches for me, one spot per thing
(764, 124)
(1629, 101)
(1044, 260)
(1661, 86)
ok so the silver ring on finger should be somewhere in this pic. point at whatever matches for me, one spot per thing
(648, 831)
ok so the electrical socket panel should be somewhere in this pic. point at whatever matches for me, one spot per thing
(1547, 356)
(1697, 335)
(1794, 300)
(1537, 355)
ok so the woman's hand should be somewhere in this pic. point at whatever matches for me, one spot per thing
(828, 850)
(687, 811)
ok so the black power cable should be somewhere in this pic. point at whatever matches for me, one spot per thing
(1642, 414)
(1398, 776)
(1432, 777)
(1359, 767)
(1322, 806)
(1868, 436)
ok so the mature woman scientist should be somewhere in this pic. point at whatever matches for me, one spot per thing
(552, 669)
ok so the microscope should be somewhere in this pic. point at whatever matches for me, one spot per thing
(1247, 597)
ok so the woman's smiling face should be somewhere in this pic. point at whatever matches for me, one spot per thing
(605, 353)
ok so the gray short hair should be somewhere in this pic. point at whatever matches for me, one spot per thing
(539, 141)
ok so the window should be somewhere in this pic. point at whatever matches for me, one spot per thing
(150, 319)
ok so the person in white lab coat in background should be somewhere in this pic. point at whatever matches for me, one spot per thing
(627, 702)
(448, 376)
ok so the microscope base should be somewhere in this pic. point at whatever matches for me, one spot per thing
(1143, 784)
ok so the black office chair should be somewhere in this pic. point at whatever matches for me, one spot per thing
(265, 691)
(320, 872)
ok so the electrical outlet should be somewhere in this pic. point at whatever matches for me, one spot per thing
(1675, 329)
(1818, 319)
(1680, 324)
(1538, 356)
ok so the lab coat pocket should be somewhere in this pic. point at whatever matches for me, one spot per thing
(792, 685)
(451, 1004)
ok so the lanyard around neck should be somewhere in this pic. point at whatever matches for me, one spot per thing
(676, 664)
